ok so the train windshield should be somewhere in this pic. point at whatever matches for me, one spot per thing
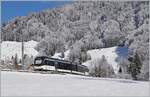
(39, 61)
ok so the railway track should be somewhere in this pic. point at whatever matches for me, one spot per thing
(47, 72)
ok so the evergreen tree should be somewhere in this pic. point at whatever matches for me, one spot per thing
(135, 66)
(120, 70)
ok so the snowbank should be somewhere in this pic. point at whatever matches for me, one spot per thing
(34, 84)
(10, 48)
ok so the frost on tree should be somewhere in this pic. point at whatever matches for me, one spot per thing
(94, 24)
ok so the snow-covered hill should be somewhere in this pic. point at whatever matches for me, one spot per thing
(112, 55)
(31, 84)
(10, 48)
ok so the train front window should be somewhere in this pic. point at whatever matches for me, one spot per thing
(38, 61)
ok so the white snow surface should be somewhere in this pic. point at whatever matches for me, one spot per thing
(10, 48)
(111, 54)
(35, 84)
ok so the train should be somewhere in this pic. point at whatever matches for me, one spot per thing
(53, 64)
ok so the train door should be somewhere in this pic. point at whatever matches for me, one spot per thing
(56, 65)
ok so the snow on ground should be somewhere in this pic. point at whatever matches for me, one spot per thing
(10, 48)
(111, 54)
(35, 84)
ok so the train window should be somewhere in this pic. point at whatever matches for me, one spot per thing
(38, 61)
(48, 62)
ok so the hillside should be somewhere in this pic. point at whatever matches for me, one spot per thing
(112, 54)
(86, 25)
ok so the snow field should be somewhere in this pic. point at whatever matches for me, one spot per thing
(11, 48)
(34, 84)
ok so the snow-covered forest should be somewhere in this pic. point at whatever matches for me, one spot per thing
(86, 25)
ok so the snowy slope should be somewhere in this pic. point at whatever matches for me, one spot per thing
(111, 54)
(10, 48)
(34, 84)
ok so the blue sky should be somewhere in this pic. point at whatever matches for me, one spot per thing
(11, 9)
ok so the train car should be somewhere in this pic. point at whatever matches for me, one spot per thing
(47, 63)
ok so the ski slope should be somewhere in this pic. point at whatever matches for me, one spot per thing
(112, 55)
(35, 84)
(11, 48)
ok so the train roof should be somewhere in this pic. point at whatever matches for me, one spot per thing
(46, 57)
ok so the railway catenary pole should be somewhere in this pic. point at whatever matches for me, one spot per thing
(0, 43)
(22, 49)
(22, 44)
